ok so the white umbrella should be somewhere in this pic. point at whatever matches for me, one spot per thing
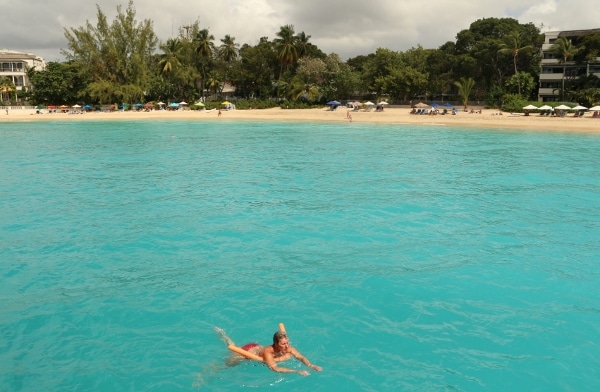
(76, 106)
(369, 103)
(530, 107)
(563, 107)
(594, 108)
(183, 103)
(545, 107)
(579, 107)
(383, 103)
(161, 103)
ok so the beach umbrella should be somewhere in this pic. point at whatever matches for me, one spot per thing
(383, 103)
(138, 105)
(563, 107)
(226, 103)
(421, 105)
(183, 103)
(199, 104)
(579, 107)
(369, 103)
(149, 105)
(161, 103)
(39, 107)
(76, 106)
(64, 107)
(87, 106)
(594, 108)
(530, 107)
(174, 105)
(334, 103)
(545, 107)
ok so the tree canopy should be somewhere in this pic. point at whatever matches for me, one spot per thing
(123, 61)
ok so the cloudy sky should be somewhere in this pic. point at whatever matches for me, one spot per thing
(346, 27)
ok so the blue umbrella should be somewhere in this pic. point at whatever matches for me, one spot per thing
(174, 105)
(336, 103)
(139, 105)
(87, 106)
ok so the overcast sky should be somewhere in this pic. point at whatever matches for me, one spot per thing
(346, 27)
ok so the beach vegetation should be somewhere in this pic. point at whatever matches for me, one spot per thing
(123, 61)
(117, 54)
(565, 50)
(464, 85)
(7, 87)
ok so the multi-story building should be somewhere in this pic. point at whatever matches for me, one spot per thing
(553, 69)
(14, 65)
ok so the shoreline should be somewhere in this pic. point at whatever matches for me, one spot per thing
(488, 119)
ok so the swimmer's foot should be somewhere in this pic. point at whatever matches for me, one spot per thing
(224, 336)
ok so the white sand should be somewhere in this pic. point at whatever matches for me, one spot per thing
(487, 119)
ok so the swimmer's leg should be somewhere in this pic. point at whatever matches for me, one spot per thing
(226, 339)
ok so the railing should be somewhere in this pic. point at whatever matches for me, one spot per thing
(17, 107)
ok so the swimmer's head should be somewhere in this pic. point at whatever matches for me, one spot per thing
(278, 336)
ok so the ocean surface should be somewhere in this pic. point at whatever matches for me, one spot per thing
(399, 258)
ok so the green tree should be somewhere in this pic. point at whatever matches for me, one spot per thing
(303, 44)
(6, 87)
(565, 50)
(513, 46)
(465, 85)
(521, 83)
(60, 83)
(118, 55)
(228, 53)
(253, 75)
(205, 47)
(286, 46)
(170, 58)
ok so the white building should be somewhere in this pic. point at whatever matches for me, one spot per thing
(554, 70)
(14, 65)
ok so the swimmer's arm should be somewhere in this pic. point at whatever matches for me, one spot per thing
(270, 361)
(305, 360)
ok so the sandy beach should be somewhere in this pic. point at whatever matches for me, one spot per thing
(392, 115)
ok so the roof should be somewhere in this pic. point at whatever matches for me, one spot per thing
(578, 33)
(6, 54)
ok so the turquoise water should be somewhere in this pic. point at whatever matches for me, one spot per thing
(398, 257)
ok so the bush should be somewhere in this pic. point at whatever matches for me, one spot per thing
(513, 103)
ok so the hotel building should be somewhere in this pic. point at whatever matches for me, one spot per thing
(551, 73)
(14, 65)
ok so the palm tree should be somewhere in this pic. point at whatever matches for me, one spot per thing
(465, 85)
(204, 44)
(513, 46)
(286, 46)
(565, 50)
(303, 43)
(204, 48)
(229, 49)
(170, 58)
(6, 87)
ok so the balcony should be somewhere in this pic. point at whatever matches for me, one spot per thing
(550, 61)
(551, 76)
(547, 91)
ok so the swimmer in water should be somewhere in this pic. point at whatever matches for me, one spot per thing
(280, 350)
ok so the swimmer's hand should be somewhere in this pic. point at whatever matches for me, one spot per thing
(316, 368)
(303, 373)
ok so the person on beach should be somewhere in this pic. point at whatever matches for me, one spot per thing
(280, 350)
